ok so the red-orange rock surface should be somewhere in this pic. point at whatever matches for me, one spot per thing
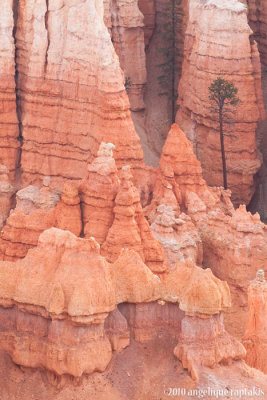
(217, 42)
(36, 211)
(234, 247)
(55, 319)
(234, 243)
(147, 7)
(130, 229)
(205, 342)
(257, 13)
(98, 191)
(126, 26)
(9, 128)
(6, 193)
(54, 305)
(255, 338)
(71, 91)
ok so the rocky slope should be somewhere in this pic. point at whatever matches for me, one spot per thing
(103, 258)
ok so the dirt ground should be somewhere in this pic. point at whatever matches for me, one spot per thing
(140, 372)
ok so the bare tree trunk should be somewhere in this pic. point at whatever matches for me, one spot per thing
(222, 148)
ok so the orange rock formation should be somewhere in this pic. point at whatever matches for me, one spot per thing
(71, 91)
(55, 303)
(147, 7)
(258, 22)
(211, 50)
(36, 211)
(6, 193)
(232, 243)
(9, 129)
(126, 26)
(255, 340)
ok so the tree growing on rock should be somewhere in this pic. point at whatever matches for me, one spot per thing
(171, 20)
(223, 95)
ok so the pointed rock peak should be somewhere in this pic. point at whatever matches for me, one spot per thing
(126, 176)
(178, 156)
(128, 194)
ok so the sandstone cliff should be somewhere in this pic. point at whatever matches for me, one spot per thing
(218, 42)
(70, 89)
(126, 26)
(258, 22)
(255, 340)
(9, 128)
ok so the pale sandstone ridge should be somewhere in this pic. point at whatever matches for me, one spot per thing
(257, 14)
(71, 91)
(218, 39)
(126, 25)
(9, 129)
(58, 306)
(255, 338)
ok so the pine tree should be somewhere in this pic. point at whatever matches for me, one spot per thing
(223, 95)
(172, 17)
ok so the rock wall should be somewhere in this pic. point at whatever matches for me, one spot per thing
(255, 340)
(9, 128)
(233, 243)
(147, 8)
(126, 26)
(218, 39)
(71, 91)
(257, 14)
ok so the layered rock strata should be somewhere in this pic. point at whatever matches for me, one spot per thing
(71, 91)
(258, 21)
(58, 306)
(255, 340)
(147, 7)
(205, 342)
(231, 242)
(37, 210)
(9, 128)
(126, 26)
(130, 229)
(6, 194)
(209, 48)
(234, 247)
